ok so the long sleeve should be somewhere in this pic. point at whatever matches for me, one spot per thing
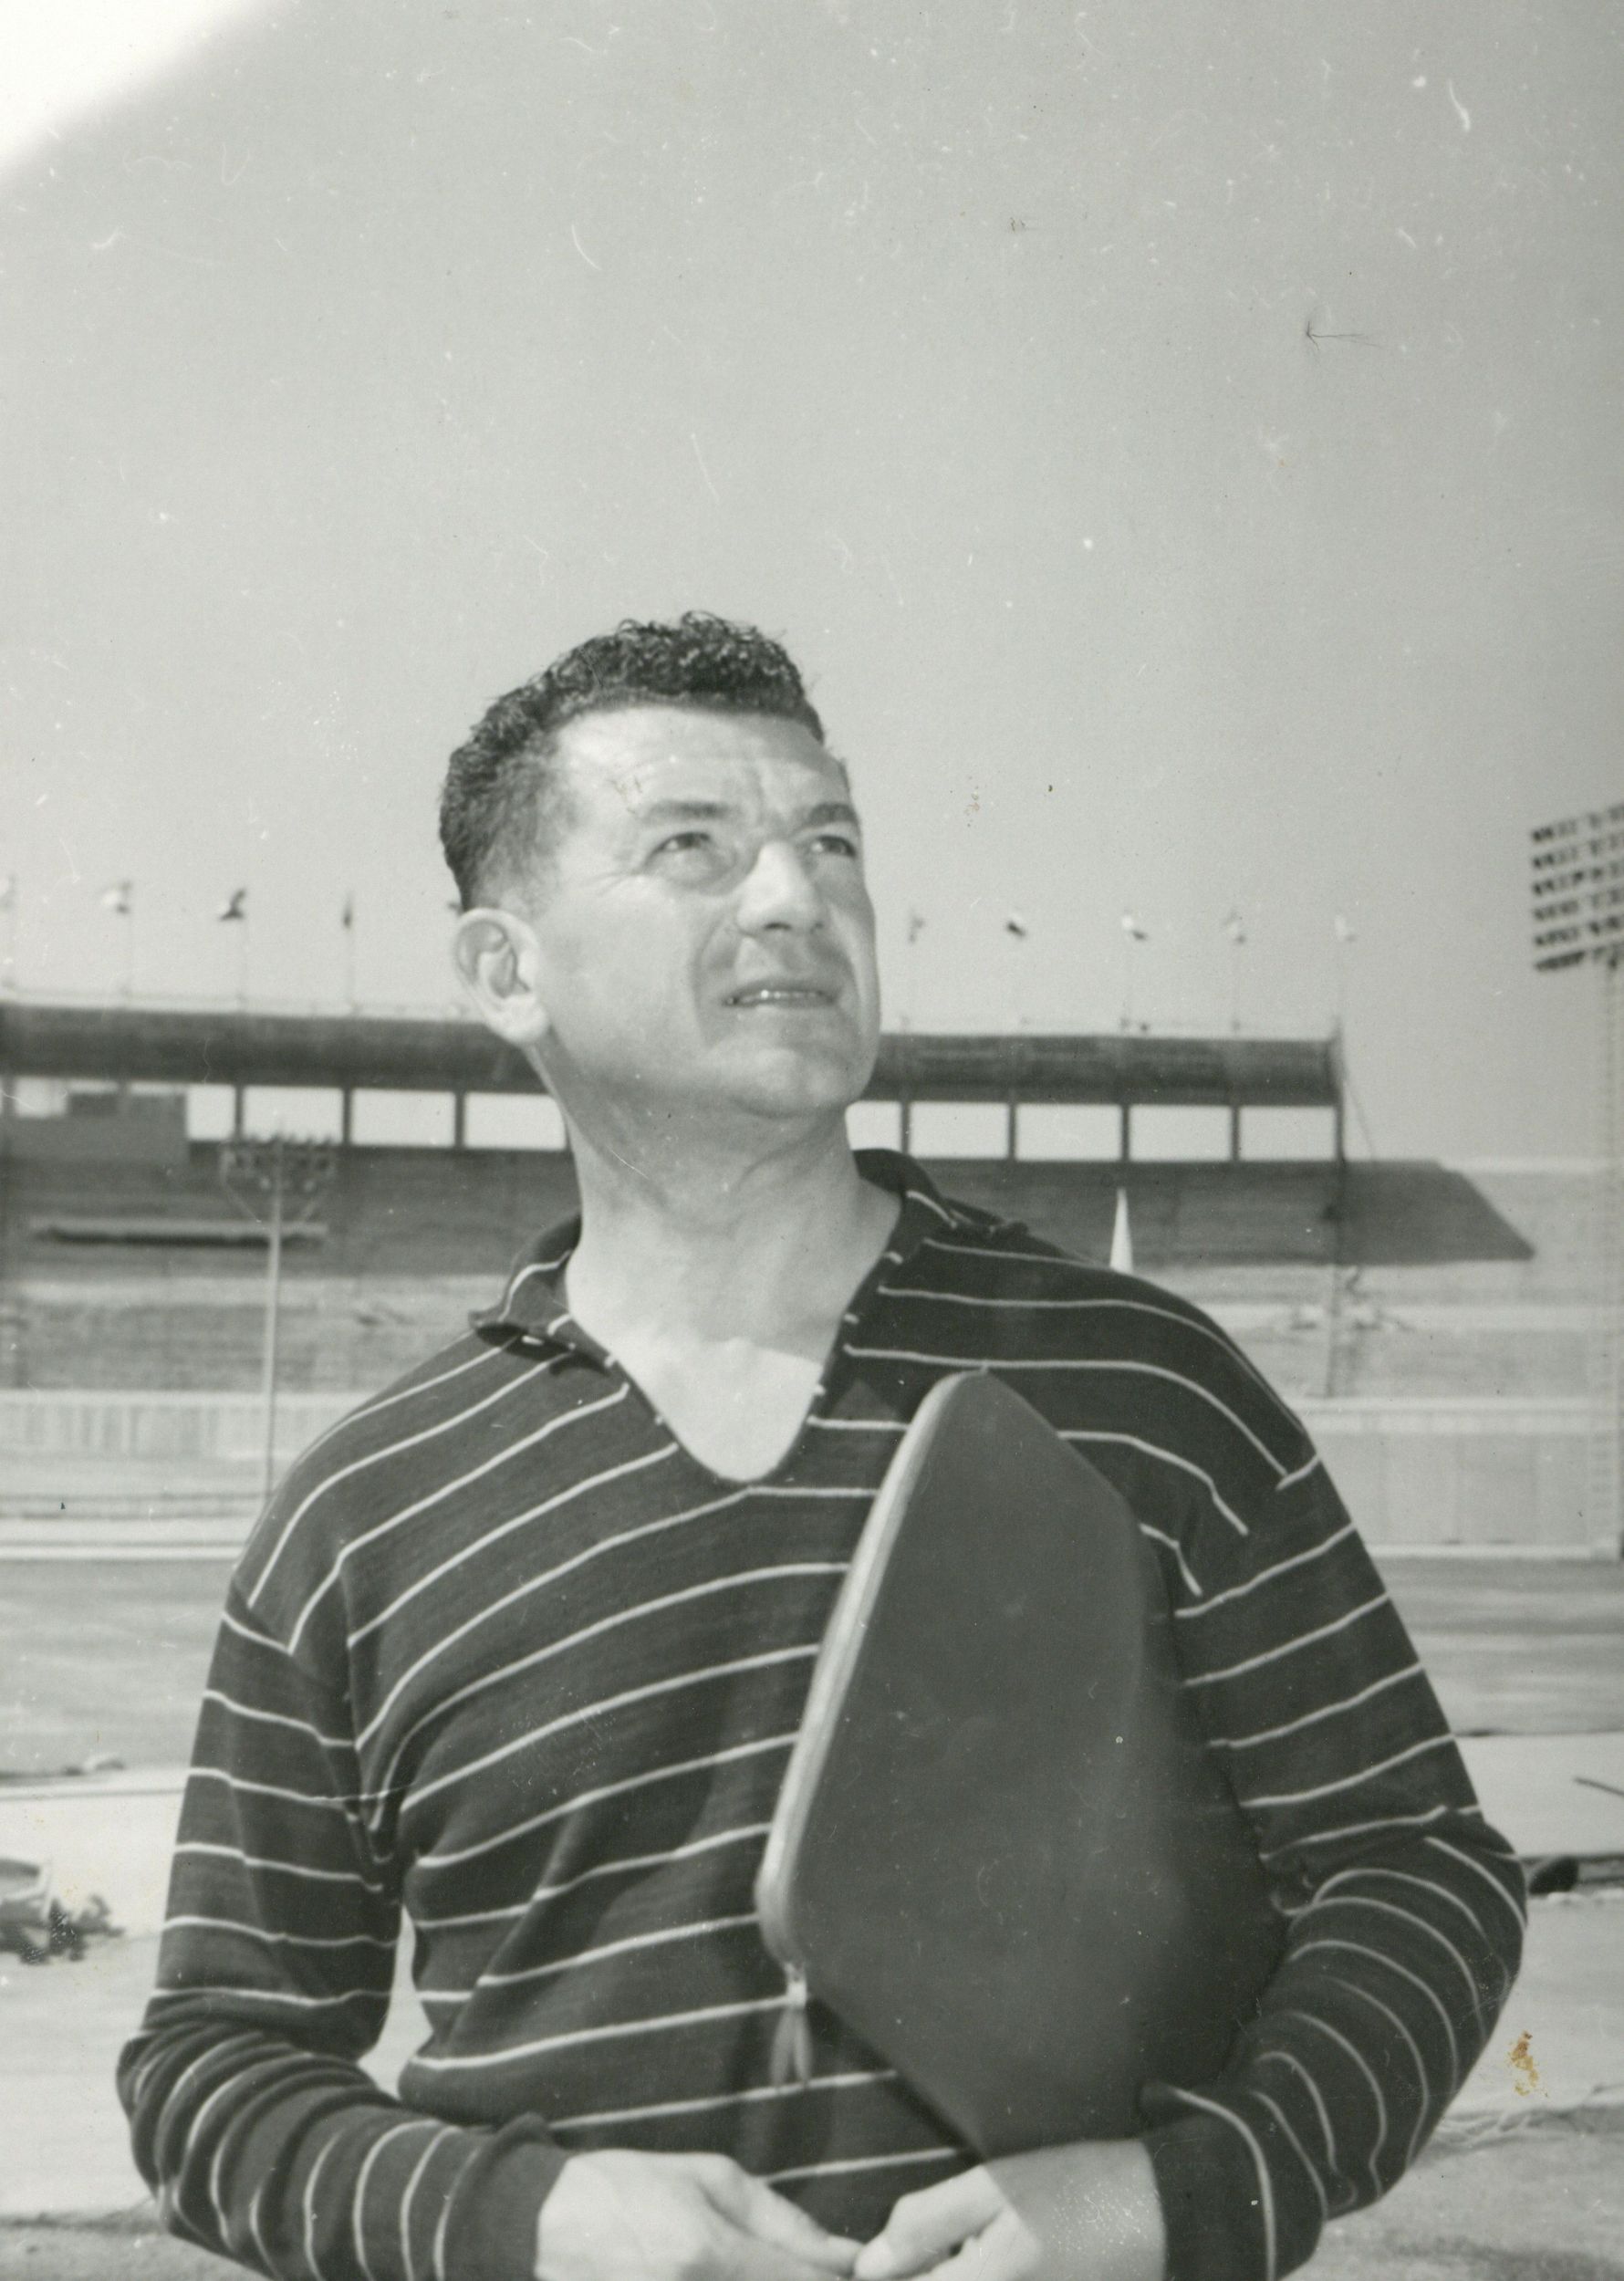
(1404, 1910)
(261, 2136)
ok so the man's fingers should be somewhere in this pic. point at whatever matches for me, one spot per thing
(772, 2217)
(1004, 2252)
(925, 2227)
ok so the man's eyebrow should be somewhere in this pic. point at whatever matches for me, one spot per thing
(678, 811)
(684, 811)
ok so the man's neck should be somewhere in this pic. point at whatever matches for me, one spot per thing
(763, 1241)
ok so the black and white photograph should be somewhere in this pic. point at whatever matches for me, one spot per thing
(811, 1140)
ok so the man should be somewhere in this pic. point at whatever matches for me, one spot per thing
(521, 1646)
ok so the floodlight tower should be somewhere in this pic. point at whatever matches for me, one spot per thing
(1579, 920)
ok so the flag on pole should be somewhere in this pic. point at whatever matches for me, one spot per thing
(1132, 929)
(1015, 924)
(1234, 926)
(235, 906)
(916, 927)
(347, 916)
(1122, 1237)
(119, 897)
(1344, 930)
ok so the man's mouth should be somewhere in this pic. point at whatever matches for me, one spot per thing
(781, 993)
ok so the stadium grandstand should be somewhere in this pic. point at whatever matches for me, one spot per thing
(1429, 1320)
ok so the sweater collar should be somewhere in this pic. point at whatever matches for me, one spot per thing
(533, 1305)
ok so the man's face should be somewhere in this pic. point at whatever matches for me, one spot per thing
(705, 931)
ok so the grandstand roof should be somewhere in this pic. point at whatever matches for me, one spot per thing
(198, 1045)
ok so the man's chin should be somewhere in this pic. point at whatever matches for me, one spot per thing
(801, 1083)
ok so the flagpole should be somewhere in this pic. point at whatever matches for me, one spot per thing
(347, 923)
(1234, 927)
(1132, 936)
(11, 896)
(1345, 937)
(1017, 972)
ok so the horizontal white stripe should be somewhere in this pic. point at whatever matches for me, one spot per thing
(1191, 1321)
(624, 1865)
(538, 1583)
(1424, 2080)
(1266, 2185)
(377, 1457)
(1159, 1537)
(1351, 1781)
(374, 1407)
(1289, 1481)
(599, 1709)
(535, 1267)
(269, 1790)
(721, 2098)
(666, 1937)
(275, 1718)
(858, 1425)
(465, 1553)
(266, 1932)
(867, 2161)
(1290, 2059)
(1312, 2019)
(1327, 1710)
(1519, 1915)
(917, 1195)
(1381, 1957)
(712, 1587)
(363, 2178)
(307, 2204)
(1267, 1576)
(1403, 1877)
(640, 1533)
(1357, 1829)
(460, 2062)
(288, 1868)
(1289, 1647)
(1297, 2147)
(1169, 1457)
(505, 1456)
(593, 1798)
(239, 1992)
(1327, 1900)
(406, 2267)
(1001, 1363)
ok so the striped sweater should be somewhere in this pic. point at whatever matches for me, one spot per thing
(503, 1655)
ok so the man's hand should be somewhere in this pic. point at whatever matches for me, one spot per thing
(1084, 2212)
(623, 2216)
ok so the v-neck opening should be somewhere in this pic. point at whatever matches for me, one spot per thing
(784, 1466)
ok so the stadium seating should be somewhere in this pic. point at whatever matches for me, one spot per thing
(1449, 1295)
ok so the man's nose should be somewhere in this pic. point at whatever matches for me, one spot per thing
(779, 892)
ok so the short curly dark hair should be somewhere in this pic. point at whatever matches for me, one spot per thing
(502, 796)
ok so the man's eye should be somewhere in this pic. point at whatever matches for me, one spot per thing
(683, 843)
(839, 843)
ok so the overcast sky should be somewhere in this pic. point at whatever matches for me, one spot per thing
(1180, 445)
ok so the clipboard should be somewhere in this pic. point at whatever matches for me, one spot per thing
(1002, 1853)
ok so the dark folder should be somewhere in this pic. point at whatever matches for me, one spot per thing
(1002, 1854)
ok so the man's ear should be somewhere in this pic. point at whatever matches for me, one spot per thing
(499, 960)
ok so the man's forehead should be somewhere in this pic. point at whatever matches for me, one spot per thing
(652, 756)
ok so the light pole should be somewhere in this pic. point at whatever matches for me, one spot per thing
(278, 1183)
(1579, 920)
